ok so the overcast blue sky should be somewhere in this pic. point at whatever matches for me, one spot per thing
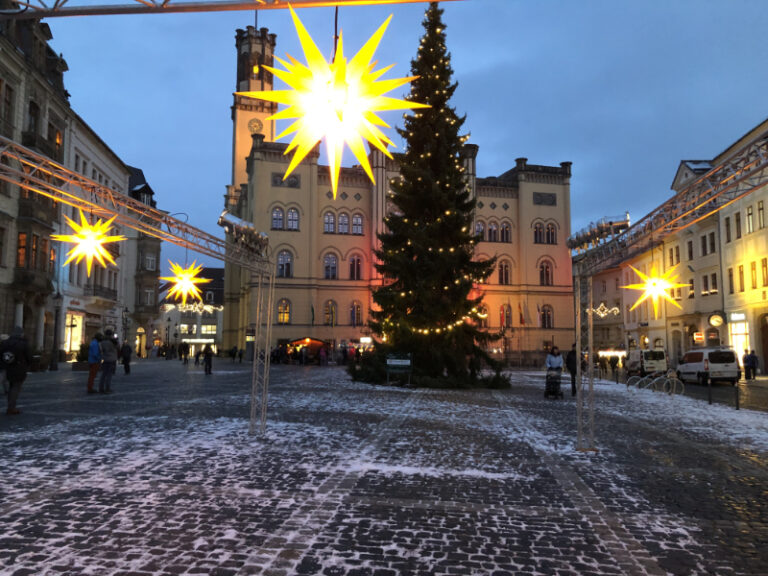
(624, 90)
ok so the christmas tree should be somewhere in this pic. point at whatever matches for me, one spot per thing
(426, 254)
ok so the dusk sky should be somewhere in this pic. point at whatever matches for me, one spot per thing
(624, 90)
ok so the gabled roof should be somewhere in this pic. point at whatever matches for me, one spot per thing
(687, 170)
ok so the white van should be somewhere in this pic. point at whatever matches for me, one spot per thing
(647, 362)
(703, 365)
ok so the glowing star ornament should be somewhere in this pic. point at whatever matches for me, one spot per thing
(336, 101)
(655, 287)
(185, 282)
(89, 240)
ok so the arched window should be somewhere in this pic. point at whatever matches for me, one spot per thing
(506, 233)
(329, 223)
(355, 268)
(277, 219)
(480, 230)
(355, 314)
(293, 219)
(357, 224)
(330, 266)
(343, 223)
(547, 317)
(330, 317)
(504, 273)
(538, 233)
(551, 234)
(283, 311)
(505, 314)
(493, 232)
(285, 264)
(545, 273)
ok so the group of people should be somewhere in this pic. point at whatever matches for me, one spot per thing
(103, 353)
(749, 360)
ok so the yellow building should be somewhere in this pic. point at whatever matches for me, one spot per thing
(323, 247)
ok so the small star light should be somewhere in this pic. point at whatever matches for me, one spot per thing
(89, 240)
(655, 287)
(336, 101)
(185, 282)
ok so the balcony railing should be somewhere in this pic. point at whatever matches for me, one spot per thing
(40, 209)
(101, 292)
(35, 140)
(30, 280)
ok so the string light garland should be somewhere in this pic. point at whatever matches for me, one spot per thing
(336, 101)
(655, 287)
(89, 240)
(185, 282)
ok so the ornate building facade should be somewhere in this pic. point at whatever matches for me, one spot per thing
(323, 247)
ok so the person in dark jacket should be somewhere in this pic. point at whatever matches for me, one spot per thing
(208, 359)
(570, 364)
(16, 370)
(125, 356)
(108, 362)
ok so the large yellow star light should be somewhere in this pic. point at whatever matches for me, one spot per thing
(185, 282)
(89, 240)
(655, 287)
(336, 101)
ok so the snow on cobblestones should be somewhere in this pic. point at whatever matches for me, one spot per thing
(350, 479)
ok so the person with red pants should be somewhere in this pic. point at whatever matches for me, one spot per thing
(94, 361)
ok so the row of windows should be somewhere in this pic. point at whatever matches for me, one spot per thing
(330, 266)
(280, 222)
(493, 233)
(749, 221)
(544, 235)
(330, 316)
(329, 223)
(290, 221)
(331, 269)
(752, 274)
(34, 253)
(544, 316)
(330, 313)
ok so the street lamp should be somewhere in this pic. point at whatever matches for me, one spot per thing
(57, 302)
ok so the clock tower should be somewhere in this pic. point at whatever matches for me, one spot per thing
(255, 48)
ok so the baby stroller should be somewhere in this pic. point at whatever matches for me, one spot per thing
(552, 388)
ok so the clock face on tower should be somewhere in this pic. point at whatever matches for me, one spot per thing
(255, 125)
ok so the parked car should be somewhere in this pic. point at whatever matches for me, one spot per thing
(709, 364)
(647, 362)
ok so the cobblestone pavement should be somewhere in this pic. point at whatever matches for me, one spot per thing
(162, 478)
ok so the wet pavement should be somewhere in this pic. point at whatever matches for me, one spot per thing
(161, 477)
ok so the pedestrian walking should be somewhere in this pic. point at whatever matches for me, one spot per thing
(208, 359)
(240, 355)
(125, 355)
(570, 363)
(197, 357)
(753, 364)
(108, 362)
(94, 360)
(16, 357)
(746, 363)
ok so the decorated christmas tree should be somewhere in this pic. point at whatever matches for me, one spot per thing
(427, 305)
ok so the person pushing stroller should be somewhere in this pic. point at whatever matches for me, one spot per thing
(554, 365)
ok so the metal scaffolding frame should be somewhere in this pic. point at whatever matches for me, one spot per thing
(245, 248)
(31, 9)
(745, 171)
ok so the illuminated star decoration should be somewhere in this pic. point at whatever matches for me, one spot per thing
(336, 101)
(185, 282)
(655, 287)
(89, 240)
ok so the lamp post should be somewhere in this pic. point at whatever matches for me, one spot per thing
(57, 302)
